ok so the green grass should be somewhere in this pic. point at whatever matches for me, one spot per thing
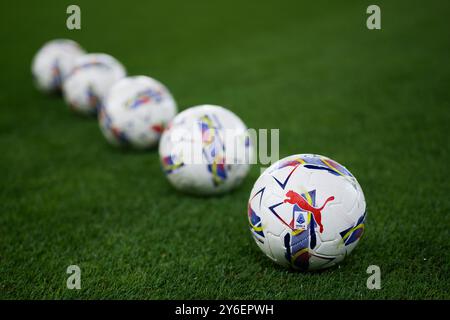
(376, 101)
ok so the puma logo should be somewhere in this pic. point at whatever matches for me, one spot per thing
(294, 198)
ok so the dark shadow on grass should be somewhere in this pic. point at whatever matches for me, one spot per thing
(53, 95)
(267, 263)
(124, 149)
(127, 149)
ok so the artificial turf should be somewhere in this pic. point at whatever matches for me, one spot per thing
(376, 101)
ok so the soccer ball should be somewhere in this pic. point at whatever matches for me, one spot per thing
(136, 111)
(89, 81)
(206, 150)
(306, 212)
(53, 62)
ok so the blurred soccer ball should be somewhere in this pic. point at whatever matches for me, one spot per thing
(89, 81)
(53, 62)
(306, 212)
(206, 150)
(136, 111)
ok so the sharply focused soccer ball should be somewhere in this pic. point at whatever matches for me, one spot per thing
(136, 111)
(306, 212)
(206, 150)
(53, 62)
(89, 81)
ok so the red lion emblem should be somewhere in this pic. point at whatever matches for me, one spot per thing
(294, 198)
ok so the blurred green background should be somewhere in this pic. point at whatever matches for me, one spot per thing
(376, 101)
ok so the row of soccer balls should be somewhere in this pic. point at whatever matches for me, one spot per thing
(305, 211)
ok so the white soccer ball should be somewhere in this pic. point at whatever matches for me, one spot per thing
(206, 150)
(53, 62)
(89, 81)
(307, 212)
(136, 111)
